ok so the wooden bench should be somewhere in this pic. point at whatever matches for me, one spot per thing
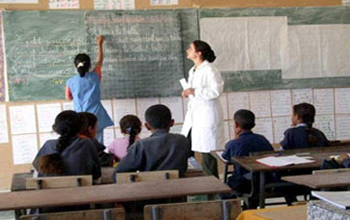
(103, 214)
(225, 210)
(147, 176)
(58, 182)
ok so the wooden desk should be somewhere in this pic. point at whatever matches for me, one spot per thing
(226, 163)
(321, 180)
(111, 193)
(285, 213)
(250, 164)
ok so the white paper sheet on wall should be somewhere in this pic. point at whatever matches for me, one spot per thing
(22, 119)
(47, 136)
(231, 129)
(118, 133)
(24, 148)
(246, 43)
(107, 104)
(281, 103)
(280, 124)
(237, 101)
(68, 106)
(123, 107)
(325, 123)
(260, 103)
(46, 115)
(345, 2)
(342, 100)
(143, 105)
(175, 106)
(223, 101)
(19, 1)
(114, 4)
(108, 136)
(343, 127)
(302, 95)
(164, 2)
(4, 137)
(176, 129)
(317, 51)
(145, 133)
(264, 127)
(324, 101)
(63, 4)
(227, 132)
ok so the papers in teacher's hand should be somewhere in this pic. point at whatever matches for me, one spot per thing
(283, 161)
(340, 199)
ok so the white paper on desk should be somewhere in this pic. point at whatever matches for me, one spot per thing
(143, 104)
(123, 107)
(342, 100)
(24, 148)
(175, 106)
(22, 119)
(324, 101)
(340, 199)
(46, 115)
(283, 161)
(4, 137)
(281, 103)
(260, 103)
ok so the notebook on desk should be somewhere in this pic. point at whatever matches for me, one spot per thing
(339, 199)
(279, 161)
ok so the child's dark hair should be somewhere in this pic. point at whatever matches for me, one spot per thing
(90, 121)
(67, 125)
(306, 112)
(82, 62)
(205, 49)
(131, 125)
(245, 119)
(158, 116)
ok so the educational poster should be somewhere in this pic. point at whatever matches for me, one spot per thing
(63, 4)
(2, 63)
(114, 4)
(123, 107)
(281, 103)
(164, 2)
(4, 137)
(260, 103)
(316, 51)
(68, 106)
(118, 133)
(175, 106)
(342, 100)
(263, 126)
(176, 129)
(255, 43)
(302, 95)
(22, 119)
(237, 101)
(227, 131)
(223, 101)
(107, 104)
(343, 127)
(47, 136)
(345, 2)
(46, 115)
(24, 148)
(144, 132)
(280, 125)
(325, 123)
(324, 101)
(19, 1)
(108, 136)
(143, 105)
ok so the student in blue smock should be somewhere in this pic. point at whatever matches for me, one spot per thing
(244, 143)
(84, 89)
(303, 135)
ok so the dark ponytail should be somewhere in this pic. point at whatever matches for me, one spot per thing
(131, 125)
(203, 47)
(306, 112)
(67, 125)
(82, 62)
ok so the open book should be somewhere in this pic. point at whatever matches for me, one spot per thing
(279, 161)
(340, 199)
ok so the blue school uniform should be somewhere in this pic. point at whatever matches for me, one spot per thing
(297, 137)
(87, 98)
(246, 143)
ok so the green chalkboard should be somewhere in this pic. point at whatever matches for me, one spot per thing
(40, 48)
(143, 52)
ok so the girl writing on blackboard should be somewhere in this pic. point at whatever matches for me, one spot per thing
(204, 119)
(84, 89)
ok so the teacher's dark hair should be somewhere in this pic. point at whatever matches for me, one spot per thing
(82, 62)
(205, 49)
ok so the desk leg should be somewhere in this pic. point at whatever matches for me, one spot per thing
(262, 190)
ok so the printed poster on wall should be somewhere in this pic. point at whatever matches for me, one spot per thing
(164, 2)
(2, 64)
(19, 1)
(114, 4)
(63, 4)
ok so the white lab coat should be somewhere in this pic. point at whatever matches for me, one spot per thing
(204, 114)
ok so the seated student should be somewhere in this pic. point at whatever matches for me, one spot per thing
(244, 143)
(89, 130)
(130, 126)
(69, 154)
(303, 135)
(161, 151)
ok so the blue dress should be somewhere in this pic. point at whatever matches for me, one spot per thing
(87, 98)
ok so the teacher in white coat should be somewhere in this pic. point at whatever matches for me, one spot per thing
(204, 123)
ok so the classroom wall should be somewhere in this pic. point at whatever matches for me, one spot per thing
(146, 4)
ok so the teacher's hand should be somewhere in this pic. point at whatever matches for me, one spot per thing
(183, 94)
(189, 91)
